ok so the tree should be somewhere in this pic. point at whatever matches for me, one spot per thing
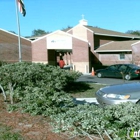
(39, 32)
(13, 32)
(136, 32)
(67, 28)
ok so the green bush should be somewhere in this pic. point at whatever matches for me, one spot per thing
(7, 134)
(37, 88)
(35, 75)
(3, 63)
(114, 121)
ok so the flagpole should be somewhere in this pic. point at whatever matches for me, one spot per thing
(18, 26)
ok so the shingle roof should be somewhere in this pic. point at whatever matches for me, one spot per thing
(116, 46)
(101, 31)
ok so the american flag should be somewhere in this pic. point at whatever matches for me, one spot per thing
(21, 7)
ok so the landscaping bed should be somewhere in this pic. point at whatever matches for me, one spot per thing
(23, 81)
(23, 126)
(39, 101)
(29, 127)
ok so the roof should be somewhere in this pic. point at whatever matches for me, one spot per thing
(8, 34)
(36, 37)
(116, 46)
(100, 31)
(62, 32)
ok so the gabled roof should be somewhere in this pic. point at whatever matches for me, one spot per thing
(59, 31)
(2, 31)
(116, 46)
(105, 32)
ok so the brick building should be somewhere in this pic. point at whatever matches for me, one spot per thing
(74, 50)
(9, 47)
(82, 46)
(85, 47)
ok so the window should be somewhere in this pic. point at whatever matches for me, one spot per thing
(122, 68)
(122, 56)
(113, 67)
(125, 68)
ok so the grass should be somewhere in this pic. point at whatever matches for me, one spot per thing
(83, 90)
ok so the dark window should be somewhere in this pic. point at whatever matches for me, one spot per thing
(123, 68)
(134, 66)
(113, 67)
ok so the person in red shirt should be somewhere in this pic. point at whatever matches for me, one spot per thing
(61, 63)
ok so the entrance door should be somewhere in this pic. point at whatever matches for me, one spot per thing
(66, 55)
(51, 57)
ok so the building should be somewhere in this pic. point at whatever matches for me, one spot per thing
(9, 47)
(82, 46)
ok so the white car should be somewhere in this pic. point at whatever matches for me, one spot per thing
(115, 94)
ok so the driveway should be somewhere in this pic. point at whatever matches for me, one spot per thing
(94, 79)
(90, 79)
(108, 81)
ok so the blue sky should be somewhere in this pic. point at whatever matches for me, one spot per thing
(51, 15)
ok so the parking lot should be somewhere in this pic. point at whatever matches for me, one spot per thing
(108, 81)
(94, 79)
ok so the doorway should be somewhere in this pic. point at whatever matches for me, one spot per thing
(66, 55)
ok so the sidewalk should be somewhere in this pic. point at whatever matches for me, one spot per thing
(85, 100)
(87, 74)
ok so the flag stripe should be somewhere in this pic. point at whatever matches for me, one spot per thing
(21, 7)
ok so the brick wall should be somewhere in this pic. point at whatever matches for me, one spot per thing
(39, 51)
(109, 59)
(7, 37)
(90, 39)
(80, 32)
(136, 53)
(80, 55)
(9, 48)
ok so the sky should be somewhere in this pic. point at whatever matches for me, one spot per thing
(52, 15)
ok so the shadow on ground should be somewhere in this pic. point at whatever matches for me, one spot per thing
(75, 87)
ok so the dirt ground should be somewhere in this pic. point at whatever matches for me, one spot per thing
(31, 127)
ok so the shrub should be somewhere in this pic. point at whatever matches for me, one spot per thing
(3, 63)
(114, 121)
(36, 87)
